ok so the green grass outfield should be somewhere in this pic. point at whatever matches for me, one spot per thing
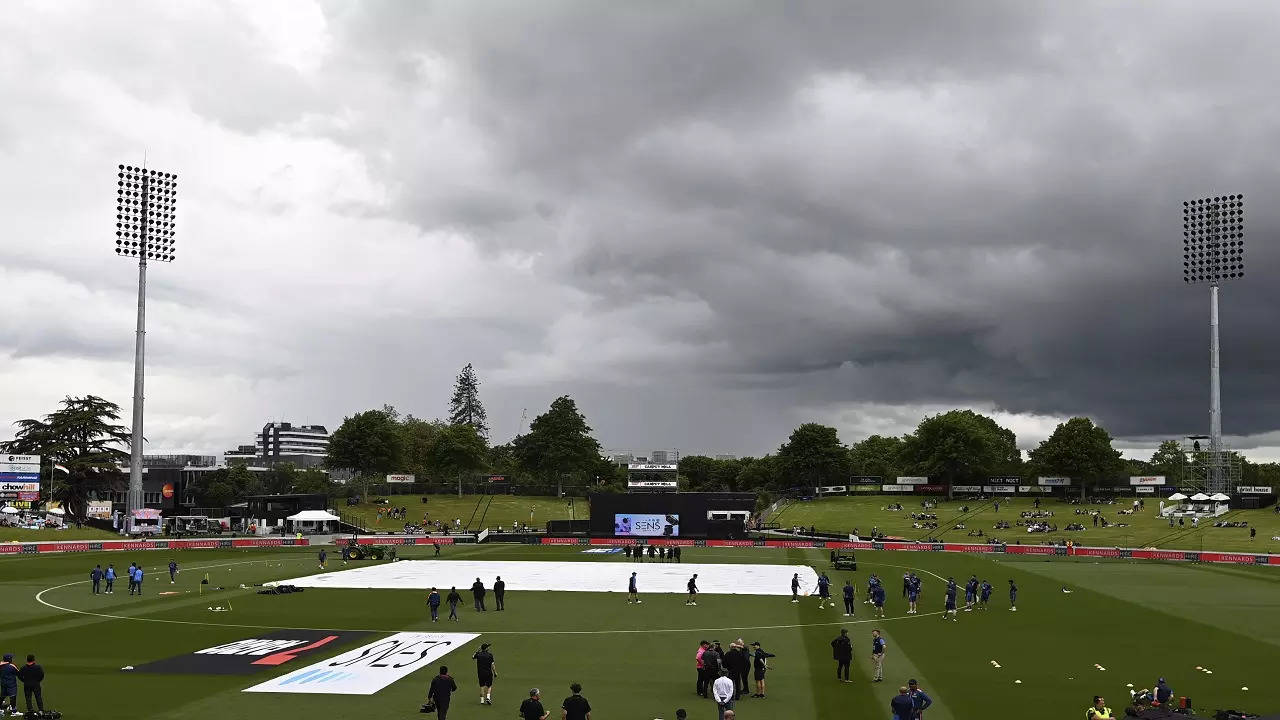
(842, 514)
(505, 510)
(9, 534)
(1139, 620)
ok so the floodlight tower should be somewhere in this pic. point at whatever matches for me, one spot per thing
(146, 203)
(1213, 252)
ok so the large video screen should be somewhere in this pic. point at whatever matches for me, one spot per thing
(634, 525)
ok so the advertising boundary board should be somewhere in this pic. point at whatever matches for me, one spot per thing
(1055, 550)
(35, 548)
(403, 540)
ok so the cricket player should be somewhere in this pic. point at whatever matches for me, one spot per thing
(824, 591)
(848, 598)
(693, 590)
(877, 599)
(633, 596)
(1013, 596)
(795, 588)
(949, 608)
(913, 595)
(173, 572)
(986, 594)
(970, 593)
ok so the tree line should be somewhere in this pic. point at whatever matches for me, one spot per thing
(85, 437)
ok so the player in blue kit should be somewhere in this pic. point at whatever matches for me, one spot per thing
(1013, 596)
(970, 593)
(848, 598)
(877, 599)
(950, 606)
(986, 594)
(824, 591)
(913, 594)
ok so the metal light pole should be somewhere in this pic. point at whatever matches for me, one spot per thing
(145, 205)
(1213, 252)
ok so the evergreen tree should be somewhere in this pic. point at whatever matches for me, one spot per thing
(465, 407)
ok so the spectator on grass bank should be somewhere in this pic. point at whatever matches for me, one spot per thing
(31, 676)
(1099, 711)
(575, 707)
(1164, 693)
(441, 691)
(531, 708)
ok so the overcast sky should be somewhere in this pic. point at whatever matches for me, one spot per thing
(708, 222)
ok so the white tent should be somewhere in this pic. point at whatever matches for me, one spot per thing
(1199, 497)
(9, 510)
(312, 520)
(313, 516)
(1219, 497)
(1177, 496)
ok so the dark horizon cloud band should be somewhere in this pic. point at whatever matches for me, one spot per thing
(708, 222)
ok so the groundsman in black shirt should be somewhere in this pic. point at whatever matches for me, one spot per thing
(531, 708)
(576, 707)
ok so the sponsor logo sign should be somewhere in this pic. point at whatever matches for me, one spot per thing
(1145, 489)
(1228, 558)
(603, 550)
(400, 478)
(652, 466)
(967, 488)
(912, 480)
(1032, 489)
(100, 509)
(1006, 489)
(255, 654)
(866, 479)
(14, 482)
(1254, 489)
(865, 487)
(897, 488)
(20, 459)
(167, 490)
(651, 483)
(1004, 480)
(646, 525)
(14, 468)
(832, 489)
(1054, 481)
(931, 488)
(563, 541)
(1146, 480)
(367, 669)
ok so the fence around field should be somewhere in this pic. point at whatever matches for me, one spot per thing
(34, 548)
(1046, 550)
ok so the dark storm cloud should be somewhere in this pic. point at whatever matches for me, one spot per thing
(893, 203)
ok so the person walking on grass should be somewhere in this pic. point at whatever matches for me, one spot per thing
(137, 579)
(877, 600)
(531, 708)
(842, 653)
(985, 595)
(633, 596)
(454, 598)
(132, 568)
(877, 656)
(575, 707)
(848, 598)
(486, 671)
(795, 588)
(477, 595)
(441, 692)
(95, 578)
(433, 604)
(173, 572)
(110, 577)
(693, 590)
(499, 593)
(323, 556)
(1013, 596)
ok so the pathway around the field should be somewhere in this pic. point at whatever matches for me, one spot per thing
(40, 599)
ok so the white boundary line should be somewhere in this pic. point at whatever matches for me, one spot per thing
(40, 599)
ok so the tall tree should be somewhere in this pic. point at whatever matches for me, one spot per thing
(418, 438)
(369, 444)
(85, 437)
(697, 471)
(1078, 448)
(878, 455)
(465, 407)
(761, 474)
(813, 456)
(1168, 459)
(960, 445)
(559, 442)
(458, 450)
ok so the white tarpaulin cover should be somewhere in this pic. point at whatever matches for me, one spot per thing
(571, 576)
(313, 516)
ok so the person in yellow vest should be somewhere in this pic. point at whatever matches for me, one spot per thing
(1099, 711)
